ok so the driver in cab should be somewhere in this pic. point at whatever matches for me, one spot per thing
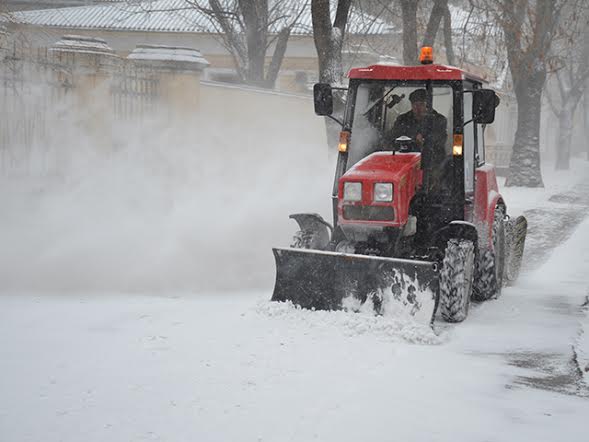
(421, 125)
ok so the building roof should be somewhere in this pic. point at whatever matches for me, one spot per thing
(21, 5)
(178, 16)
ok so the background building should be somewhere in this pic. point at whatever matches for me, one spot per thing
(125, 25)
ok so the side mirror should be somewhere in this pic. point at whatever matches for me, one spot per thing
(484, 102)
(323, 98)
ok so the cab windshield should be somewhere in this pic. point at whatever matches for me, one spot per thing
(401, 116)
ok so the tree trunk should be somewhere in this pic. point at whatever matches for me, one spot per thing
(409, 12)
(586, 116)
(565, 136)
(524, 168)
(255, 17)
(586, 92)
(433, 24)
(448, 36)
(231, 38)
(329, 42)
(277, 57)
(330, 63)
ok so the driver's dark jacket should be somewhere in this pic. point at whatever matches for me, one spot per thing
(406, 124)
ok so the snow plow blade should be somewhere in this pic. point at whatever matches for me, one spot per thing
(322, 280)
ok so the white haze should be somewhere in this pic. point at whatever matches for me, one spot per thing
(174, 207)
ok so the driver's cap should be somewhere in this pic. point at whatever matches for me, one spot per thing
(418, 95)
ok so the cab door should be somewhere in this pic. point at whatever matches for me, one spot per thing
(470, 149)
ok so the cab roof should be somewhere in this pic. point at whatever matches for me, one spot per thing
(420, 72)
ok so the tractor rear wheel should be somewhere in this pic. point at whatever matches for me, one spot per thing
(456, 280)
(491, 263)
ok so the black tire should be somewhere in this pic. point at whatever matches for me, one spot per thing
(491, 263)
(456, 280)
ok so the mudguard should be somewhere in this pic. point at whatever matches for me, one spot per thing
(314, 228)
(456, 229)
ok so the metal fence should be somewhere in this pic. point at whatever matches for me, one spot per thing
(38, 91)
(30, 86)
(499, 155)
(134, 92)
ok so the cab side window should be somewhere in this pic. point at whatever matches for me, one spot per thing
(480, 153)
(470, 137)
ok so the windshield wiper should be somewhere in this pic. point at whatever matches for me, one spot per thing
(380, 100)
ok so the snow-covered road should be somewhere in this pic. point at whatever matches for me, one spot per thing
(113, 326)
(218, 367)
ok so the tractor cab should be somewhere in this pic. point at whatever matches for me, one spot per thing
(430, 116)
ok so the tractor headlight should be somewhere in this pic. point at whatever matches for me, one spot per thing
(383, 192)
(353, 191)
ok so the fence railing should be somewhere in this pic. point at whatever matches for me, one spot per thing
(38, 91)
(134, 92)
(499, 155)
(30, 87)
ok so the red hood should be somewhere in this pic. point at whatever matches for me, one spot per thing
(383, 166)
(401, 169)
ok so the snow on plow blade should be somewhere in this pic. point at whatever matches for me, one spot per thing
(322, 280)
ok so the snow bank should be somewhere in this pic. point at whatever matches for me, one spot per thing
(565, 275)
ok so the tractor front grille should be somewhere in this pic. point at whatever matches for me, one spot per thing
(369, 213)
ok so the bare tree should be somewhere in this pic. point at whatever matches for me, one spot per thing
(571, 72)
(481, 42)
(439, 12)
(529, 27)
(248, 29)
(448, 43)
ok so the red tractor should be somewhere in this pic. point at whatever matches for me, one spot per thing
(419, 224)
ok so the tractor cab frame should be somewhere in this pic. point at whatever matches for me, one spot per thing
(375, 97)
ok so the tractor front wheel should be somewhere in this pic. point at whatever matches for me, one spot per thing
(456, 280)
(491, 263)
